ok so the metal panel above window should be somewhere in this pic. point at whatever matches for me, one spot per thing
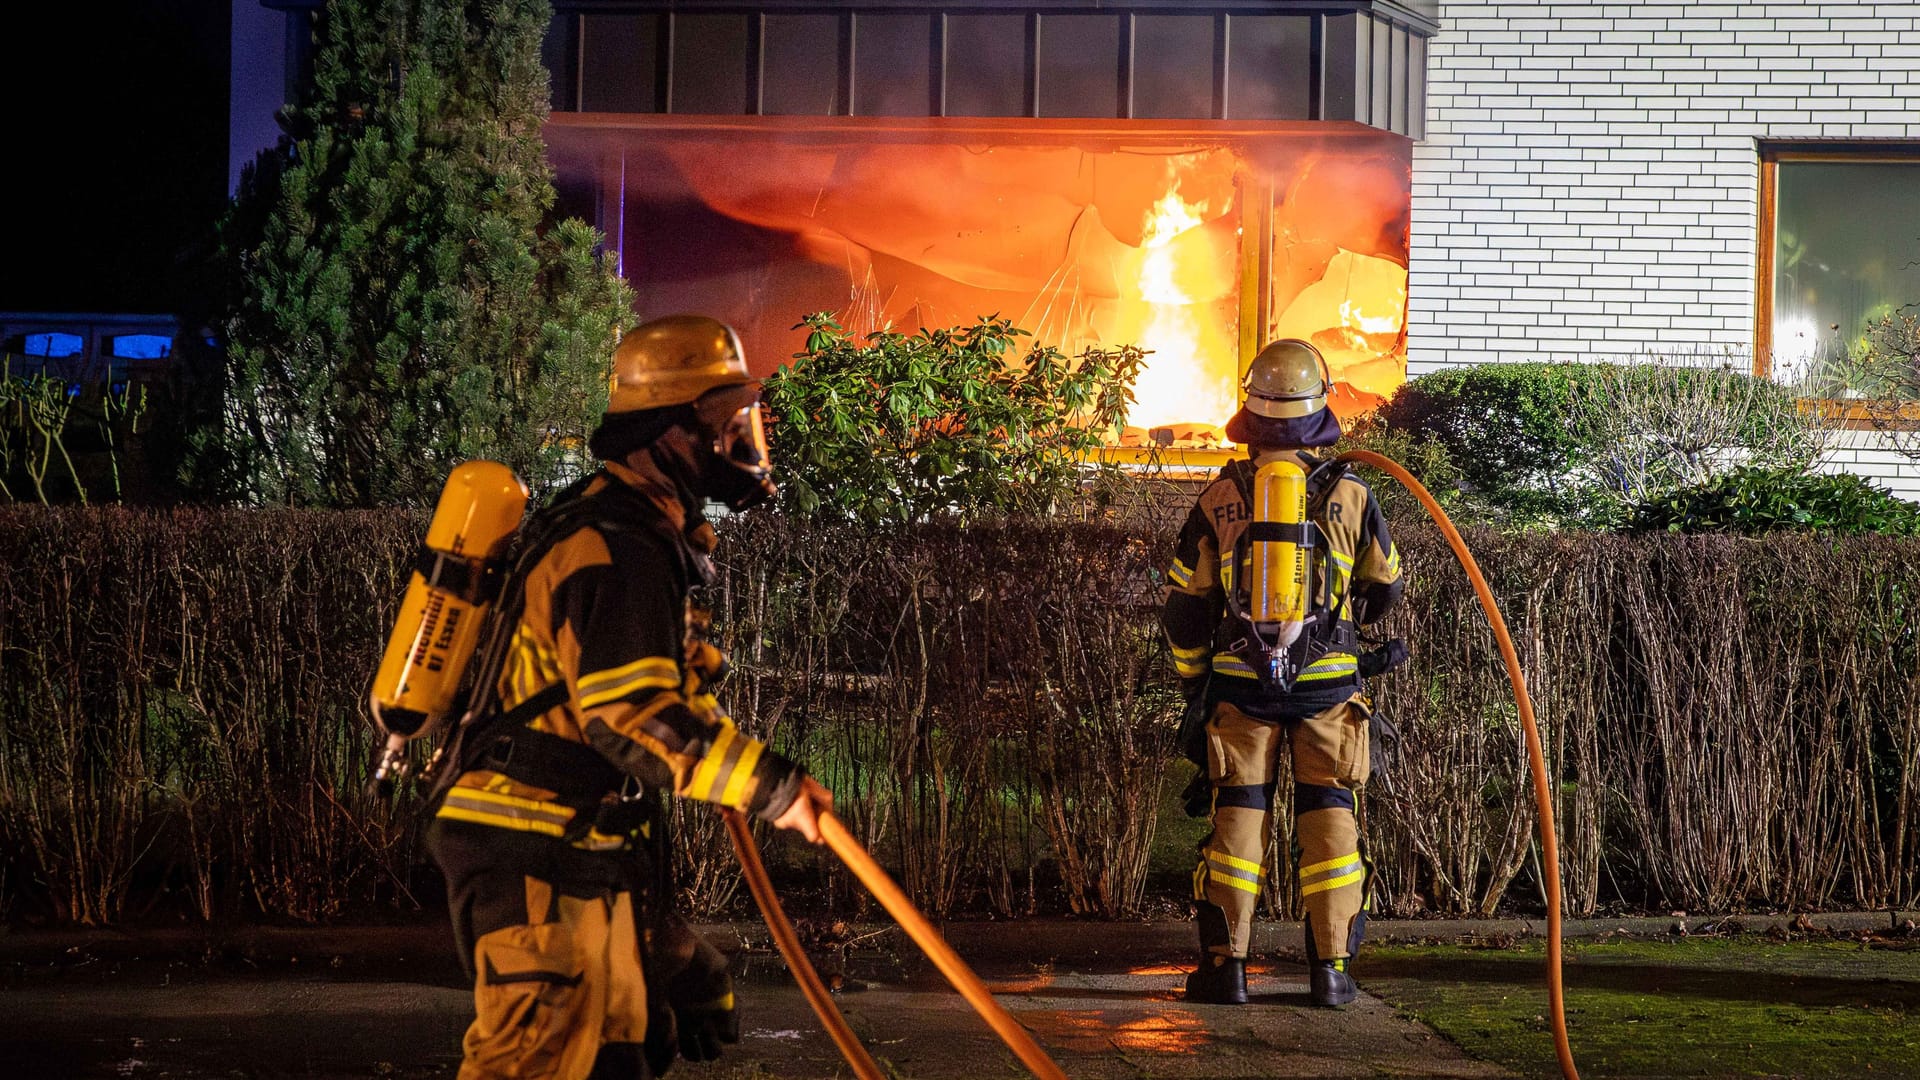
(1380, 66)
(1080, 69)
(620, 63)
(1242, 60)
(987, 65)
(709, 72)
(892, 64)
(800, 65)
(1269, 66)
(1174, 66)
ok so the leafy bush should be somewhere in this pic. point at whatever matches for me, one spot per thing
(1645, 429)
(1757, 500)
(908, 426)
(1586, 443)
(1430, 463)
(1505, 427)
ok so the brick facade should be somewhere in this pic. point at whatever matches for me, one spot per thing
(1588, 187)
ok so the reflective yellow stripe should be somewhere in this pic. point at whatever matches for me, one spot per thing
(723, 1003)
(1333, 883)
(1198, 652)
(1188, 669)
(1341, 557)
(742, 772)
(518, 802)
(502, 821)
(1225, 859)
(1330, 864)
(1180, 573)
(700, 786)
(1239, 883)
(1329, 668)
(603, 686)
(595, 840)
(638, 682)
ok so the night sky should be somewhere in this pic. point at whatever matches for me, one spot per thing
(115, 129)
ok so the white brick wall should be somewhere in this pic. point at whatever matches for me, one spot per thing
(1589, 184)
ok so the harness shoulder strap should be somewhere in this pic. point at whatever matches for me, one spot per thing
(485, 730)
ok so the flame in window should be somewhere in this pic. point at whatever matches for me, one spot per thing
(1191, 363)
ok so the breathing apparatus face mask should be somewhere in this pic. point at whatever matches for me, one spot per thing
(735, 467)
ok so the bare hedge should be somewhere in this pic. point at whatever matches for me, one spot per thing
(1733, 723)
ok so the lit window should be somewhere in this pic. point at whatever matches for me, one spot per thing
(1840, 254)
(141, 347)
(53, 345)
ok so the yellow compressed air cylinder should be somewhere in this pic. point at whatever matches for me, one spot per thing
(1278, 583)
(447, 598)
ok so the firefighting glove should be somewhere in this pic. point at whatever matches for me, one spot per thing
(1383, 746)
(1383, 659)
(698, 990)
(1197, 798)
(702, 1001)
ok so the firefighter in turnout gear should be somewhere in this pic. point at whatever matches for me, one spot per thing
(1262, 692)
(594, 697)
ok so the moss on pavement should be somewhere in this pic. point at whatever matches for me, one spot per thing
(1683, 1007)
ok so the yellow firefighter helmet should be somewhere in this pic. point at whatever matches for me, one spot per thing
(1289, 378)
(674, 360)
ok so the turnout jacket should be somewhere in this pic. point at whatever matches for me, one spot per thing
(611, 642)
(1360, 559)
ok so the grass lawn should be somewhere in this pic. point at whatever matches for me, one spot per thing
(1683, 1007)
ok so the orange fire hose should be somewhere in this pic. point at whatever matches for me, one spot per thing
(1542, 790)
(789, 944)
(922, 932)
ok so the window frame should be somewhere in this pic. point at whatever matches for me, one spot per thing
(1771, 153)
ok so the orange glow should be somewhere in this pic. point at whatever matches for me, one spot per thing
(1164, 1030)
(1083, 238)
(1355, 313)
(1191, 364)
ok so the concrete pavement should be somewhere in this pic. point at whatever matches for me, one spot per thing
(398, 1012)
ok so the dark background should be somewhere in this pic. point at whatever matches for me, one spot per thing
(114, 121)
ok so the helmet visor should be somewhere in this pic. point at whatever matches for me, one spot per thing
(732, 413)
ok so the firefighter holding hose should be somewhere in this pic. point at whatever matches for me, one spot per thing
(1281, 559)
(596, 687)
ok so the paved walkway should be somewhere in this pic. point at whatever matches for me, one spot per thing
(359, 1003)
(388, 1010)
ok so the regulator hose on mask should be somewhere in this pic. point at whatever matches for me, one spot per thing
(1542, 788)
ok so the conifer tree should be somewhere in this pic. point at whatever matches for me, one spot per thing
(397, 299)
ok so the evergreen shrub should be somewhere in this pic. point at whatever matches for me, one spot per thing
(1506, 428)
(1758, 500)
(397, 295)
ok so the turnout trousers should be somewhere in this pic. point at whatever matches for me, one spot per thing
(548, 935)
(1330, 764)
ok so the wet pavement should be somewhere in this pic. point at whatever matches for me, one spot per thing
(396, 1009)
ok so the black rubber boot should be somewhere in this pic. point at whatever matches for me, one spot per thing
(1220, 980)
(1330, 984)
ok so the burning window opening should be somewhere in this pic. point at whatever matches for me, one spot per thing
(1198, 253)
